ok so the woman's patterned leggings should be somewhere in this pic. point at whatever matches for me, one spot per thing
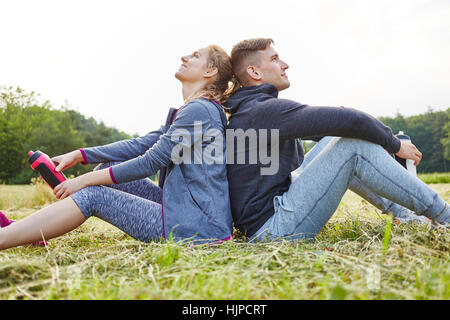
(134, 207)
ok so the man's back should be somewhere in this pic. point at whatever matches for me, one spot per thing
(251, 193)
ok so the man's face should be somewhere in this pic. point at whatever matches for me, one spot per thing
(272, 69)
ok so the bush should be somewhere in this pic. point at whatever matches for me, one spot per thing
(24, 177)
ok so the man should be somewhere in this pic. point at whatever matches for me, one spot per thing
(275, 205)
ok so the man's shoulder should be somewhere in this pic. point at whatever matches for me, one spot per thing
(272, 104)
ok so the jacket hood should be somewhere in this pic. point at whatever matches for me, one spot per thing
(251, 92)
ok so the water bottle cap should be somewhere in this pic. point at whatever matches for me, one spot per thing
(34, 156)
(402, 136)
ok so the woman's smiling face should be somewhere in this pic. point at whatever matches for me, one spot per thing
(193, 66)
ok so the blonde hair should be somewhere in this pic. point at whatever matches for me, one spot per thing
(219, 59)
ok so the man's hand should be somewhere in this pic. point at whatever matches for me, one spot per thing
(67, 160)
(409, 151)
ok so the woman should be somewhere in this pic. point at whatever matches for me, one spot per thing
(193, 202)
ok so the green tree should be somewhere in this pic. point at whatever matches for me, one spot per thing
(427, 131)
(29, 123)
(15, 129)
(446, 139)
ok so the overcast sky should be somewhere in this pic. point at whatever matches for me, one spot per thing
(116, 60)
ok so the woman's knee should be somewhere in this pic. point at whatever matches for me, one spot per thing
(85, 199)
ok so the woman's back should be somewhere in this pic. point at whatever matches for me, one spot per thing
(195, 193)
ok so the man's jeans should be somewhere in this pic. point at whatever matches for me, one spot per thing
(383, 204)
(329, 169)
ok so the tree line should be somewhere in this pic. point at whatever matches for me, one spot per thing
(430, 132)
(29, 123)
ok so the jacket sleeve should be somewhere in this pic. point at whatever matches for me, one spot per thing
(121, 150)
(302, 121)
(183, 133)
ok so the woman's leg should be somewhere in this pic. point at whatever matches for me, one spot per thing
(50, 222)
(313, 197)
(143, 188)
(138, 217)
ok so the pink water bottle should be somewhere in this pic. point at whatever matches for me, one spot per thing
(41, 162)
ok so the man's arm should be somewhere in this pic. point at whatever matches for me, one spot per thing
(301, 121)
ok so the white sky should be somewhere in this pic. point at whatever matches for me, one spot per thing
(116, 60)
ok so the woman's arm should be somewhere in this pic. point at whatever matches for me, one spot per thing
(117, 151)
(127, 149)
(160, 155)
(122, 150)
(94, 178)
(150, 162)
(67, 160)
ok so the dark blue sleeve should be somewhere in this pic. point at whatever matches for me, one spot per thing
(295, 120)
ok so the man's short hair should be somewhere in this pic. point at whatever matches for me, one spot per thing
(246, 53)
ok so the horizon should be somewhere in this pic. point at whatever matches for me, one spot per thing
(73, 108)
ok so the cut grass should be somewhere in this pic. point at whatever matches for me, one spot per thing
(355, 256)
(15, 197)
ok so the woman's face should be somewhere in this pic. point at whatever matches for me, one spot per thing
(193, 66)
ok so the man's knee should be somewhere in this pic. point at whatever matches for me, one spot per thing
(356, 144)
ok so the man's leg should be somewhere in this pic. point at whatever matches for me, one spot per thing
(401, 214)
(314, 195)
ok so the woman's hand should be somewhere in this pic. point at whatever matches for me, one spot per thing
(94, 178)
(409, 151)
(67, 160)
(68, 187)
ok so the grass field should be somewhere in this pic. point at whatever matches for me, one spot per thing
(437, 177)
(358, 255)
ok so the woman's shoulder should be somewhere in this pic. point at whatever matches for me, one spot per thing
(201, 103)
(201, 106)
